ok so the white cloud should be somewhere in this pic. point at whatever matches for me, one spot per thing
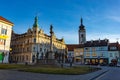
(111, 37)
(115, 18)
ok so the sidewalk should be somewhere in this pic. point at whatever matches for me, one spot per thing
(93, 75)
(89, 76)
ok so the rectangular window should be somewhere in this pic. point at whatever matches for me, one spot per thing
(34, 49)
(22, 58)
(113, 48)
(23, 49)
(87, 54)
(34, 40)
(40, 49)
(3, 31)
(87, 49)
(27, 48)
(111, 55)
(94, 54)
(101, 55)
(44, 50)
(2, 42)
(101, 48)
(93, 49)
(26, 57)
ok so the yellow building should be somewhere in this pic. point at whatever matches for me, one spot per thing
(79, 54)
(5, 38)
(34, 44)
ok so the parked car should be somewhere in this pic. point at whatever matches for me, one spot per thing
(111, 64)
(118, 65)
(87, 63)
(103, 64)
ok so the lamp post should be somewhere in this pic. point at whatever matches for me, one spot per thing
(116, 60)
(98, 60)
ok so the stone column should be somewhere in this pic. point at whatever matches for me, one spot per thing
(51, 53)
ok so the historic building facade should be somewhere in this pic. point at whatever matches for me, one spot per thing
(70, 52)
(34, 44)
(96, 51)
(114, 52)
(77, 50)
(79, 54)
(5, 38)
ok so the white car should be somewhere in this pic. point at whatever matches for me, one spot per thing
(118, 65)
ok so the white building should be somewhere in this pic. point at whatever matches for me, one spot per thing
(5, 38)
(114, 52)
(96, 51)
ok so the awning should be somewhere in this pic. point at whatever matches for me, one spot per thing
(3, 36)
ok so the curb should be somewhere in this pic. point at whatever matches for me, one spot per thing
(99, 75)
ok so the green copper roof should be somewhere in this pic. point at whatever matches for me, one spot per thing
(36, 22)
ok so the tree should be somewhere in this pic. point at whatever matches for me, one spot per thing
(37, 57)
(56, 55)
(42, 55)
(46, 55)
(62, 55)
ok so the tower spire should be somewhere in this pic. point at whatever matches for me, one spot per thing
(36, 22)
(81, 21)
(82, 32)
(51, 29)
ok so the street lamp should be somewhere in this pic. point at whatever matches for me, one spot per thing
(98, 60)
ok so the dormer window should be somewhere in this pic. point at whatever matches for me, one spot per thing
(113, 48)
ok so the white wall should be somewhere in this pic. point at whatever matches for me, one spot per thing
(5, 48)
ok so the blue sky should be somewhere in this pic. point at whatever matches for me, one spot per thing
(100, 17)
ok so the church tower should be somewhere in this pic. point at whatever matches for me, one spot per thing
(35, 25)
(82, 33)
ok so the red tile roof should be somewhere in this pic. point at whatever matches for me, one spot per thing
(119, 47)
(95, 43)
(113, 45)
(71, 47)
(6, 21)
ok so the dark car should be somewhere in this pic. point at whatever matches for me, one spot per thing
(111, 64)
(103, 64)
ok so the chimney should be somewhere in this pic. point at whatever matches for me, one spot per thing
(91, 41)
(106, 40)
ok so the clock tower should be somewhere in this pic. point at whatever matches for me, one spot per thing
(82, 33)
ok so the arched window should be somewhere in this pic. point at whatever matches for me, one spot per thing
(34, 40)
(82, 35)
